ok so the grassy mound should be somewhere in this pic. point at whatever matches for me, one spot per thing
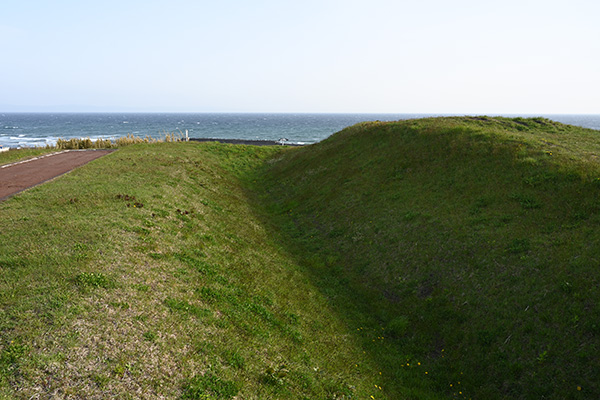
(472, 242)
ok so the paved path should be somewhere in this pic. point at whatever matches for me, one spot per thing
(22, 175)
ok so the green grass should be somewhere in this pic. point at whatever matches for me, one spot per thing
(7, 157)
(472, 241)
(425, 259)
(161, 281)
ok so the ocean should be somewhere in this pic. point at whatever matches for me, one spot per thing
(41, 129)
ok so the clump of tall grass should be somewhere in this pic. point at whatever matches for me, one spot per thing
(87, 143)
(132, 139)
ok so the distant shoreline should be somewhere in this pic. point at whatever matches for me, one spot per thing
(247, 142)
(40, 130)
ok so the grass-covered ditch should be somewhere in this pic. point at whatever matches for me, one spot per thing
(436, 258)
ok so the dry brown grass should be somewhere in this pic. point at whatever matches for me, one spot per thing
(129, 139)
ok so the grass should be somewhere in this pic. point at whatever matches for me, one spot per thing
(424, 259)
(472, 241)
(185, 297)
(7, 157)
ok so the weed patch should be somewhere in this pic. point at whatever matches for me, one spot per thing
(234, 359)
(209, 386)
(94, 280)
(275, 376)
(526, 201)
(10, 359)
(185, 307)
(517, 246)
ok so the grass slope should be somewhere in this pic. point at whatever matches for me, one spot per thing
(147, 274)
(473, 241)
(424, 259)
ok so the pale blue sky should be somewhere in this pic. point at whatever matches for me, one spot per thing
(425, 56)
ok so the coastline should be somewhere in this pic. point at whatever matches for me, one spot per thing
(247, 142)
(40, 129)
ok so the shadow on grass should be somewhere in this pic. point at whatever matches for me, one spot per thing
(434, 259)
(374, 321)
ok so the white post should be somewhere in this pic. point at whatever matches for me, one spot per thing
(187, 139)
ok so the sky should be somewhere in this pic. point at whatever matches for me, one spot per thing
(330, 56)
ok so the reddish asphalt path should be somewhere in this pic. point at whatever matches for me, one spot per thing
(25, 174)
